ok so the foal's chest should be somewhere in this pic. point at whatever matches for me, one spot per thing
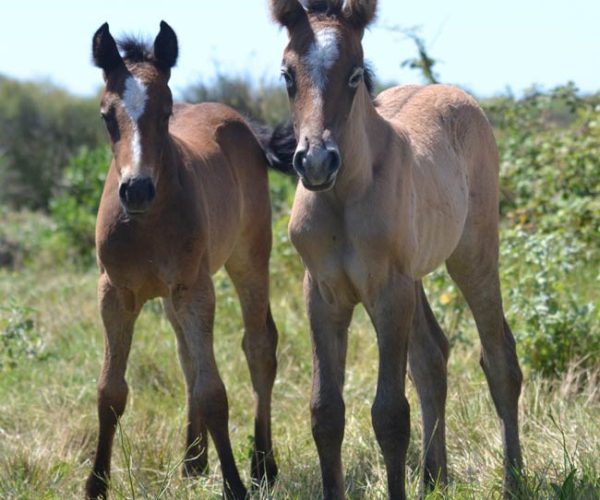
(346, 253)
(148, 258)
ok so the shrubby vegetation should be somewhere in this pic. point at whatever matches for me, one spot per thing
(41, 128)
(55, 158)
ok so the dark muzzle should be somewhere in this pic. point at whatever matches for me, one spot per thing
(317, 166)
(136, 194)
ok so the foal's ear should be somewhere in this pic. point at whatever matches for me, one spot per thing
(360, 13)
(287, 12)
(104, 50)
(166, 48)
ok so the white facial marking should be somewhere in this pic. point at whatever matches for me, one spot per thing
(134, 102)
(134, 98)
(322, 55)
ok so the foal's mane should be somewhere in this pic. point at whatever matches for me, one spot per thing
(369, 78)
(136, 49)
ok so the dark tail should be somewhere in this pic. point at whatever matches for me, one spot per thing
(279, 145)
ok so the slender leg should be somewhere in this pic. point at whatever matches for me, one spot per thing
(196, 449)
(194, 310)
(260, 345)
(391, 309)
(119, 312)
(481, 287)
(427, 356)
(329, 330)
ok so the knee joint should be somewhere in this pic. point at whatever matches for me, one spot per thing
(211, 401)
(112, 397)
(328, 419)
(391, 420)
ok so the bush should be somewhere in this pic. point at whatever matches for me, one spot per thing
(75, 208)
(550, 181)
(553, 323)
(19, 338)
(41, 128)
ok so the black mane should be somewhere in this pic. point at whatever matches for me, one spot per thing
(369, 78)
(136, 50)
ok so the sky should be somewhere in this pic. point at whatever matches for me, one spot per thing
(489, 47)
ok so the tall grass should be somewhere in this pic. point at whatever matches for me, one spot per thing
(48, 419)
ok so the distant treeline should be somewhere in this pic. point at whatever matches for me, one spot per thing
(42, 127)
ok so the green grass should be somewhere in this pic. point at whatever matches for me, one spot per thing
(48, 416)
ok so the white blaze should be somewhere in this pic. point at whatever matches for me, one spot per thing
(322, 55)
(134, 102)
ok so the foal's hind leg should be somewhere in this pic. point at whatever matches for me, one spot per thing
(474, 267)
(196, 452)
(249, 274)
(194, 309)
(119, 312)
(428, 355)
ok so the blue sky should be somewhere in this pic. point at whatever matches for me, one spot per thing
(485, 46)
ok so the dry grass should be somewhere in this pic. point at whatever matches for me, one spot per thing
(48, 421)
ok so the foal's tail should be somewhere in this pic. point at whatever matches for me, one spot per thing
(278, 144)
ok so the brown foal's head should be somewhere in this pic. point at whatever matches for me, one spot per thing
(323, 67)
(136, 106)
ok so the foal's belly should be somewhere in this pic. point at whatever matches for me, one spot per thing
(435, 241)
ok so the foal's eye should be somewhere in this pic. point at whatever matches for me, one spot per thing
(356, 77)
(111, 125)
(290, 81)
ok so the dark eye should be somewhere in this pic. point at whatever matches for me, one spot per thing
(290, 81)
(356, 77)
(111, 125)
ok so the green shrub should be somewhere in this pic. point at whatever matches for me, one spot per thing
(553, 323)
(41, 128)
(74, 209)
(19, 338)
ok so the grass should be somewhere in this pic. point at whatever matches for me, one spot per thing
(48, 421)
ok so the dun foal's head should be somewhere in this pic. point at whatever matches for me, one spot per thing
(323, 67)
(136, 106)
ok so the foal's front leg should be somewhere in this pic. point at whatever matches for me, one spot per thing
(391, 308)
(119, 312)
(194, 310)
(196, 449)
(329, 327)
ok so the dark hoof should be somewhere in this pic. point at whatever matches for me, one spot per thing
(195, 467)
(263, 469)
(238, 493)
(95, 487)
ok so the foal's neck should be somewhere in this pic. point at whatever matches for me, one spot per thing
(359, 146)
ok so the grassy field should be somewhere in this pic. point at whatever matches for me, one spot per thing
(51, 355)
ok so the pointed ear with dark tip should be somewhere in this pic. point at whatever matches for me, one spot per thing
(166, 48)
(104, 50)
(360, 13)
(287, 12)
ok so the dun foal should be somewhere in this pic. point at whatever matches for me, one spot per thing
(186, 193)
(390, 190)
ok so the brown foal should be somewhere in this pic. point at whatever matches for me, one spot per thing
(390, 189)
(186, 193)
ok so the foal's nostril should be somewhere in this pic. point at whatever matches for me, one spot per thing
(333, 159)
(299, 160)
(123, 192)
(151, 191)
